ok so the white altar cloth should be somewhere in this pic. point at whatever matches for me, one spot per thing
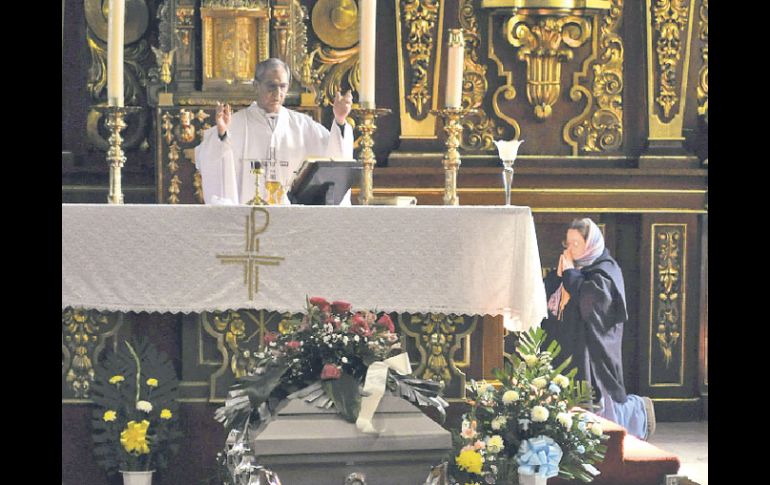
(471, 260)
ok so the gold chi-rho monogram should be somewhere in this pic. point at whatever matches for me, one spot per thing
(251, 260)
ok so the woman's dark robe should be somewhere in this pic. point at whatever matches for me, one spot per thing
(592, 326)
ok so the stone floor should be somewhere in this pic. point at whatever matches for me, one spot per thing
(689, 440)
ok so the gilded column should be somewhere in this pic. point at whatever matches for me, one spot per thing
(669, 34)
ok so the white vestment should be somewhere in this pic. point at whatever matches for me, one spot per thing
(224, 164)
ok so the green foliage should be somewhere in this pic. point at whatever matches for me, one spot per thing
(346, 396)
(137, 362)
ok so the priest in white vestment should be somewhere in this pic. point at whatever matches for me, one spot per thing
(266, 130)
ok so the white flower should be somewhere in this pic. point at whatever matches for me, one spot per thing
(596, 429)
(510, 396)
(145, 406)
(565, 419)
(498, 422)
(561, 381)
(356, 338)
(539, 382)
(495, 444)
(539, 414)
(345, 340)
(508, 149)
(344, 360)
(531, 360)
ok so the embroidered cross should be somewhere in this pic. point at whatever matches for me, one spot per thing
(251, 260)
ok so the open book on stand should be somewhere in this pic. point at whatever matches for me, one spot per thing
(324, 181)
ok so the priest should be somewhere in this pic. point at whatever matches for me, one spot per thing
(266, 130)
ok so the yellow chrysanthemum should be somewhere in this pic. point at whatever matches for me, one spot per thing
(152, 382)
(116, 379)
(469, 461)
(110, 415)
(134, 437)
(165, 414)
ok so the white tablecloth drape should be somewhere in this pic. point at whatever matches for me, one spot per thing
(471, 260)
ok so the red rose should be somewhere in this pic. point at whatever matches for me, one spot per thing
(360, 326)
(293, 344)
(270, 337)
(330, 371)
(339, 307)
(321, 303)
(386, 322)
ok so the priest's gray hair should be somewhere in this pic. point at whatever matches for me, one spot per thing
(269, 65)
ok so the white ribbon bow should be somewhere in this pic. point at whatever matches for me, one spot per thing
(374, 388)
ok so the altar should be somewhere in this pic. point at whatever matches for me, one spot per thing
(466, 260)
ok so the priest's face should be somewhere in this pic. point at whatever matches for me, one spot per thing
(272, 89)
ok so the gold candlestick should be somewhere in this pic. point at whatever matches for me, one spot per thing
(115, 156)
(365, 123)
(452, 119)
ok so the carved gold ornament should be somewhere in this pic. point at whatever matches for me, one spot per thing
(703, 74)
(335, 22)
(420, 19)
(599, 128)
(670, 18)
(438, 337)
(539, 41)
(84, 333)
(668, 291)
(480, 130)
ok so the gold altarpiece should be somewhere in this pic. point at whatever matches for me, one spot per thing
(553, 72)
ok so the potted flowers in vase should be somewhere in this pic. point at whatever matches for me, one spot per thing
(135, 418)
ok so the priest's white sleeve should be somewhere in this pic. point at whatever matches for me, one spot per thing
(340, 143)
(216, 163)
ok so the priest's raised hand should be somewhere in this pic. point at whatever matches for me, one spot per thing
(342, 105)
(223, 118)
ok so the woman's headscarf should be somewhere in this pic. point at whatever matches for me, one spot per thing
(594, 249)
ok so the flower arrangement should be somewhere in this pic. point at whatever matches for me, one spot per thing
(527, 425)
(135, 419)
(326, 352)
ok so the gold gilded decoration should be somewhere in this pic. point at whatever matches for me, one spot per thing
(539, 40)
(335, 22)
(168, 127)
(281, 32)
(84, 333)
(234, 41)
(251, 260)
(335, 68)
(668, 293)
(420, 19)
(198, 186)
(703, 74)
(173, 157)
(187, 130)
(452, 118)
(174, 190)
(507, 91)
(366, 126)
(438, 337)
(164, 60)
(599, 128)
(480, 130)
(669, 20)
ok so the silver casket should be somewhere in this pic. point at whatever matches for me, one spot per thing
(307, 445)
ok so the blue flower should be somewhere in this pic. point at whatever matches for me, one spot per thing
(539, 456)
(581, 449)
(554, 388)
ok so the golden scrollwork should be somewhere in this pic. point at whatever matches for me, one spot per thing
(420, 19)
(539, 40)
(327, 69)
(669, 19)
(506, 90)
(668, 291)
(174, 190)
(168, 126)
(186, 128)
(84, 333)
(198, 186)
(173, 158)
(703, 74)
(240, 334)
(437, 337)
(480, 130)
(600, 126)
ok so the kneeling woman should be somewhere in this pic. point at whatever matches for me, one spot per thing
(587, 309)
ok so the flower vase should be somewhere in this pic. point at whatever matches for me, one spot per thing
(536, 479)
(137, 477)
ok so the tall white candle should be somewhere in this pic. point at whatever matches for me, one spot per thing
(115, 27)
(368, 31)
(454, 77)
